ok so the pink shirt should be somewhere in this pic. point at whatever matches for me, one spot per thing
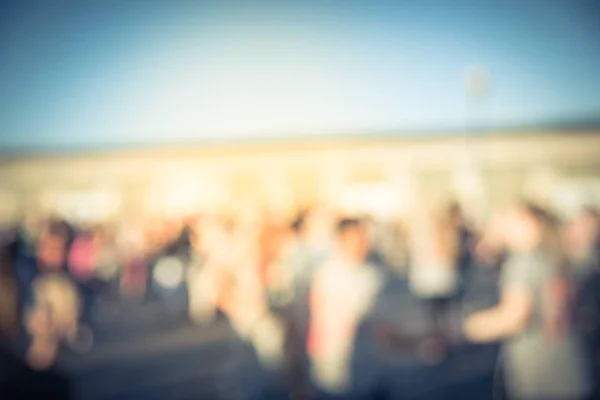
(82, 258)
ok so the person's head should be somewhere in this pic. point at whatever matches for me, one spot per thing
(528, 226)
(299, 225)
(52, 245)
(590, 224)
(581, 233)
(455, 213)
(352, 239)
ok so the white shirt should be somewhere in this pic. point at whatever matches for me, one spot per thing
(341, 295)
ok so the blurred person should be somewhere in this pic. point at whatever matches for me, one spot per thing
(82, 256)
(133, 276)
(8, 299)
(542, 357)
(52, 318)
(168, 281)
(245, 303)
(93, 264)
(248, 310)
(490, 247)
(197, 251)
(107, 266)
(296, 261)
(52, 246)
(133, 254)
(293, 272)
(207, 281)
(179, 243)
(268, 236)
(54, 305)
(320, 232)
(169, 265)
(466, 236)
(394, 247)
(29, 231)
(259, 336)
(308, 247)
(243, 297)
(343, 290)
(582, 239)
(280, 279)
(433, 275)
(479, 289)
(376, 235)
(48, 255)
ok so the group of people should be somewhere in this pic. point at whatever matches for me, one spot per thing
(306, 284)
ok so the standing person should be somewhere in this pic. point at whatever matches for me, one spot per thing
(8, 299)
(395, 247)
(82, 259)
(54, 312)
(293, 265)
(259, 333)
(465, 236)
(581, 236)
(320, 226)
(343, 291)
(207, 283)
(52, 319)
(542, 356)
(132, 251)
(433, 276)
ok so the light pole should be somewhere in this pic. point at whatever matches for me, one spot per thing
(468, 178)
(477, 84)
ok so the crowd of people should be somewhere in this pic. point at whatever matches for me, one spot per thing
(307, 283)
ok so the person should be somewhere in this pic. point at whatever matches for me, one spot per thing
(465, 236)
(581, 242)
(206, 279)
(81, 262)
(541, 357)
(434, 252)
(53, 318)
(343, 290)
(581, 236)
(394, 247)
(132, 251)
(258, 332)
(8, 300)
(295, 262)
(55, 305)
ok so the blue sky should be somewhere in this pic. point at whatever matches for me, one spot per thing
(107, 73)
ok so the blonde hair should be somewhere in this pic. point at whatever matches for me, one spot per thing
(60, 295)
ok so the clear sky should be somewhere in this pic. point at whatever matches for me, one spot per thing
(111, 73)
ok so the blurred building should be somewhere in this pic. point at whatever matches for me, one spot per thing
(384, 175)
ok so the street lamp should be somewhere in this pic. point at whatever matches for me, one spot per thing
(468, 176)
(477, 85)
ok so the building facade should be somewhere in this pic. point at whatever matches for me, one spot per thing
(384, 176)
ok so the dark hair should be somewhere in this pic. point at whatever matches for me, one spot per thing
(299, 223)
(454, 207)
(56, 227)
(345, 224)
